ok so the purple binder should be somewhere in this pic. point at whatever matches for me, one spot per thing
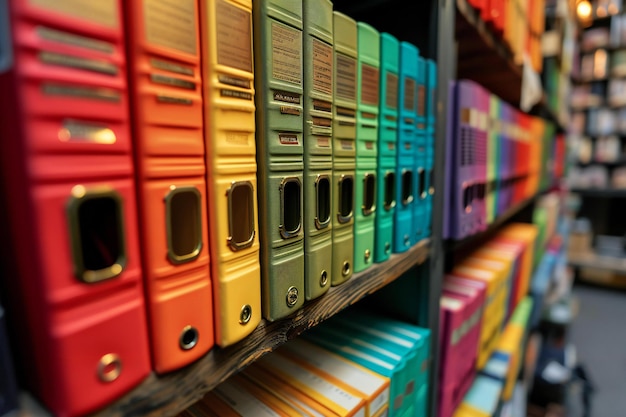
(461, 172)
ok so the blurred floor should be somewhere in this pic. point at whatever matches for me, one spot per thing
(599, 335)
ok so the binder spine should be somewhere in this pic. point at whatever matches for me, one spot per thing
(405, 173)
(278, 29)
(318, 118)
(344, 146)
(462, 216)
(481, 155)
(166, 105)
(492, 159)
(368, 65)
(431, 111)
(387, 140)
(419, 186)
(228, 81)
(71, 216)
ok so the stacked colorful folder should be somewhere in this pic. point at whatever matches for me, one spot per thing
(394, 349)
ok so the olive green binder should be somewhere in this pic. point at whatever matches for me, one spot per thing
(368, 68)
(318, 116)
(279, 118)
(344, 146)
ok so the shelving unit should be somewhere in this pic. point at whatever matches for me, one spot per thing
(433, 27)
(484, 57)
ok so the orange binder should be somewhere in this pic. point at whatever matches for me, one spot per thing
(228, 80)
(166, 104)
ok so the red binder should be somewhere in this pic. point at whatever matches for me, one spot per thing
(168, 133)
(66, 161)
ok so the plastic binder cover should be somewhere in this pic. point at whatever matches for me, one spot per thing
(279, 117)
(388, 122)
(318, 103)
(71, 218)
(168, 132)
(405, 162)
(228, 79)
(420, 154)
(368, 69)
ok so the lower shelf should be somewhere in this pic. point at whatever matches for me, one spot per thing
(169, 394)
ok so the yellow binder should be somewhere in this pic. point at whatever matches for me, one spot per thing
(228, 79)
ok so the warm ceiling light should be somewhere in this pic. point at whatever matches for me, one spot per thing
(583, 10)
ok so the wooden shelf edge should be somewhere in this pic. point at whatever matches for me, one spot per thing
(454, 245)
(172, 393)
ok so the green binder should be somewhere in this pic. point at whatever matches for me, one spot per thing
(318, 158)
(279, 118)
(368, 65)
(344, 138)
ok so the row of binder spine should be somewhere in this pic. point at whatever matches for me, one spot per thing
(140, 237)
(496, 157)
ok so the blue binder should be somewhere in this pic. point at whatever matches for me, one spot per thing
(387, 138)
(407, 94)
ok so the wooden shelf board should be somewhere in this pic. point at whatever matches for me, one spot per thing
(171, 393)
(592, 260)
(454, 245)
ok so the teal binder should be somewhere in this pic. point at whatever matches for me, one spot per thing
(387, 139)
(374, 356)
(344, 146)
(420, 190)
(411, 342)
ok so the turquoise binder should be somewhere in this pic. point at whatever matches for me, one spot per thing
(387, 139)
(374, 356)
(403, 225)
(419, 188)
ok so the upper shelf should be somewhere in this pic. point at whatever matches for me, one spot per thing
(169, 394)
(484, 57)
